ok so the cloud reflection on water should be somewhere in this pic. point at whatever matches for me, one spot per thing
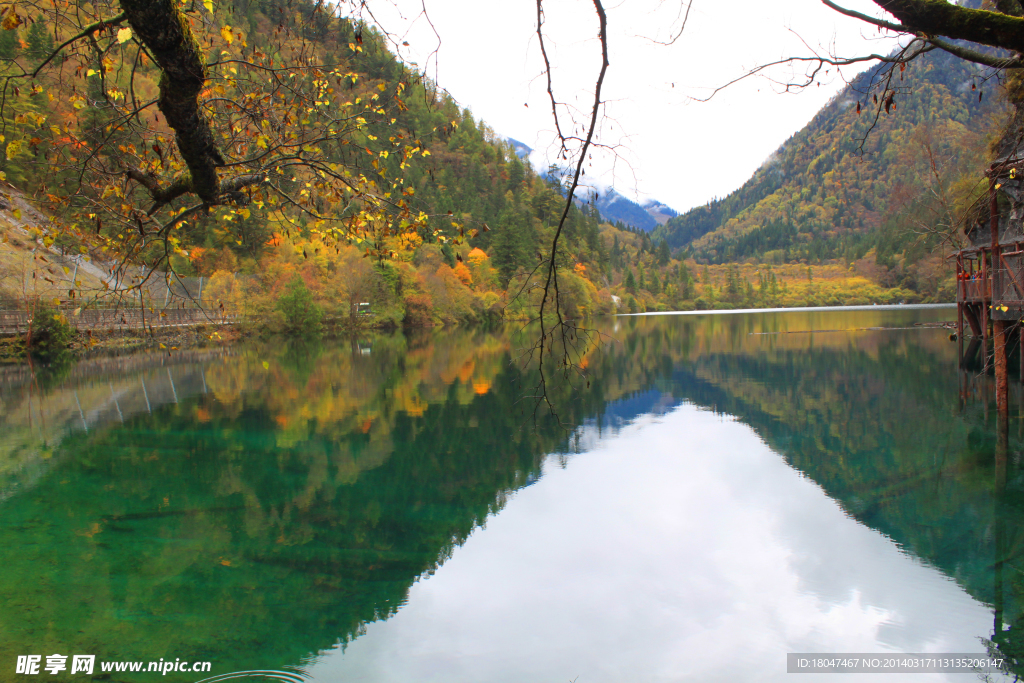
(681, 548)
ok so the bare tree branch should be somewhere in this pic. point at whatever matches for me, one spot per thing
(564, 331)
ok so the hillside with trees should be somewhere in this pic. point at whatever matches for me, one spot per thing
(353, 178)
(354, 191)
(867, 177)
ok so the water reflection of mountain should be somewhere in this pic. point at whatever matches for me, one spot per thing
(268, 506)
(289, 496)
(875, 418)
(891, 447)
(880, 424)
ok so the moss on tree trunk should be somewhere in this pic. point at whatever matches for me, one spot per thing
(939, 17)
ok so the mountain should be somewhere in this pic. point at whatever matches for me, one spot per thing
(521, 149)
(615, 207)
(872, 170)
(462, 214)
(662, 213)
(468, 218)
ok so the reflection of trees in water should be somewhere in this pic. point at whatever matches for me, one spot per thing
(1007, 640)
(277, 512)
(285, 506)
(299, 357)
(882, 424)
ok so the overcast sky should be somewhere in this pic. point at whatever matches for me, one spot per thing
(667, 145)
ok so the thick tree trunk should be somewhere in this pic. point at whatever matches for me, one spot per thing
(943, 18)
(165, 31)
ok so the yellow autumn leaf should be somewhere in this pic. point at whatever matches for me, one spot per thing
(11, 19)
(266, 365)
(225, 33)
(13, 148)
(382, 87)
(208, 4)
(124, 34)
(244, 213)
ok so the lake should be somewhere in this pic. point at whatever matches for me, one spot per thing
(728, 489)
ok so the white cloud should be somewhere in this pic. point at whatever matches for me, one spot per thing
(669, 147)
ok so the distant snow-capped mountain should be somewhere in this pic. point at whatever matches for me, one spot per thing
(611, 204)
(614, 206)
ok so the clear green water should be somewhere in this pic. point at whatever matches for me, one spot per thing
(736, 487)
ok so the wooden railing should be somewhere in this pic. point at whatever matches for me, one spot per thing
(16, 322)
(974, 290)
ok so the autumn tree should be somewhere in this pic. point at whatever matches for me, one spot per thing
(163, 116)
(160, 115)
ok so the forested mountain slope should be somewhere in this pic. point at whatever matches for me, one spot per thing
(864, 173)
(405, 205)
(432, 218)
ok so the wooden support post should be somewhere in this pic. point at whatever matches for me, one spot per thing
(960, 299)
(999, 342)
(960, 336)
(1002, 443)
(995, 293)
(984, 316)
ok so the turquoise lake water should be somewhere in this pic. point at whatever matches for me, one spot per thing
(728, 489)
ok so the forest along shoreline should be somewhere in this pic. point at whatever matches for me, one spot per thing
(826, 221)
(96, 344)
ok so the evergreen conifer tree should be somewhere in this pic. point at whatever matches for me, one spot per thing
(9, 44)
(510, 245)
(40, 42)
(663, 253)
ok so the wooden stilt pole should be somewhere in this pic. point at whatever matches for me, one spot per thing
(999, 335)
(1002, 442)
(1020, 337)
(984, 314)
(960, 298)
(999, 331)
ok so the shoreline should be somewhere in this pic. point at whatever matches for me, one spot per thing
(173, 339)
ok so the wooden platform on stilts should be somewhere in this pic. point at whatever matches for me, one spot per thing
(990, 278)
